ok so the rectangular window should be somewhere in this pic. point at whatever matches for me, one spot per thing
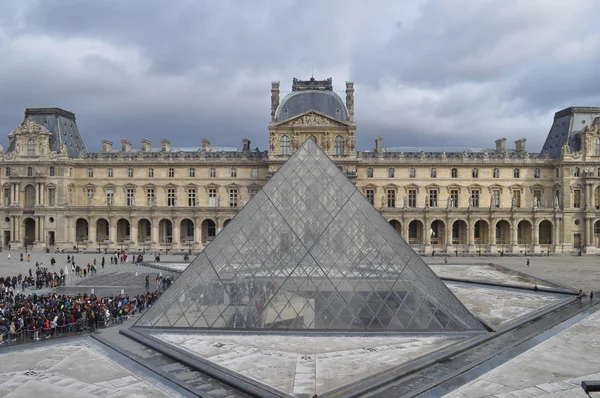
(453, 198)
(475, 198)
(253, 192)
(90, 196)
(233, 172)
(150, 197)
(577, 199)
(8, 171)
(370, 172)
(130, 172)
(412, 198)
(110, 197)
(6, 196)
(70, 172)
(233, 197)
(192, 197)
(391, 198)
(212, 172)
(150, 172)
(171, 198)
(433, 198)
(192, 172)
(370, 193)
(391, 173)
(130, 197)
(52, 171)
(537, 197)
(496, 198)
(516, 199)
(212, 197)
(51, 197)
(254, 173)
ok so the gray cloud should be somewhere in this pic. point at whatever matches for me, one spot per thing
(450, 72)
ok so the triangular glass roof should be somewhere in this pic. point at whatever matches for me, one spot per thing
(309, 252)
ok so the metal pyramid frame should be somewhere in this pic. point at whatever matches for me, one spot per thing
(309, 253)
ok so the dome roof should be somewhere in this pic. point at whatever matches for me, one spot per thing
(298, 102)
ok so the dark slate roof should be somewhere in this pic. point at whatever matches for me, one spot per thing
(63, 127)
(566, 129)
(298, 102)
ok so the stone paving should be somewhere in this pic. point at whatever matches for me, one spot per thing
(71, 369)
(553, 368)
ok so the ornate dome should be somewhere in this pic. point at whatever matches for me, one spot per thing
(312, 95)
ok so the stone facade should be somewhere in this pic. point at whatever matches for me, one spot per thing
(443, 200)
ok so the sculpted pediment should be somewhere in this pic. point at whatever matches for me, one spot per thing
(312, 118)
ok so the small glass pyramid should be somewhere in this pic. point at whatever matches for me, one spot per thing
(308, 252)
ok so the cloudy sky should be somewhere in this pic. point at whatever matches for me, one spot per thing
(446, 72)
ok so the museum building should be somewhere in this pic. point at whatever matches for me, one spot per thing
(440, 199)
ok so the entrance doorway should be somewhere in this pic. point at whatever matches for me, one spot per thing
(577, 241)
(51, 240)
(29, 237)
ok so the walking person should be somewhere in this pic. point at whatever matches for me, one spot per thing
(591, 296)
(580, 295)
(528, 262)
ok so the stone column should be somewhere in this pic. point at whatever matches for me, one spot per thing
(514, 235)
(175, 238)
(197, 231)
(154, 231)
(492, 235)
(536, 236)
(133, 229)
(92, 231)
(112, 231)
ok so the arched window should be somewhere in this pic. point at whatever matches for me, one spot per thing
(597, 146)
(454, 172)
(130, 172)
(30, 147)
(370, 172)
(576, 172)
(284, 145)
(412, 173)
(391, 172)
(433, 173)
(475, 173)
(536, 173)
(339, 145)
(496, 173)
(171, 172)
(90, 172)
(111, 173)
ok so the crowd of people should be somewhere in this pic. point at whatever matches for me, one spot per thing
(33, 316)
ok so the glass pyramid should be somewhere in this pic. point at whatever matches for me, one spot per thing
(308, 252)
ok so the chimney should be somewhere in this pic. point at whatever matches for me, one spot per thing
(146, 145)
(520, 145)
(106, 146)
(166, 145)
(501, 145)
(378, 142)
(274, 99)
(125, 146)
(246, 144)
(350, 100)
(205, 145)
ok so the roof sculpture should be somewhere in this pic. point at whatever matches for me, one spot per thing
(308, 252)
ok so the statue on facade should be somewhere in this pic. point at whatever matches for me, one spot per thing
(63, 149)
(18, 148)
(327, 142)
(383, 201)
(295, 142)
(42, 151)
(404, 201)
(514, 201)
(272, 142)
(556, 205)
(352, 142)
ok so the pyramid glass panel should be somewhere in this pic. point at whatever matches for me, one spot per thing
(308, 252)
